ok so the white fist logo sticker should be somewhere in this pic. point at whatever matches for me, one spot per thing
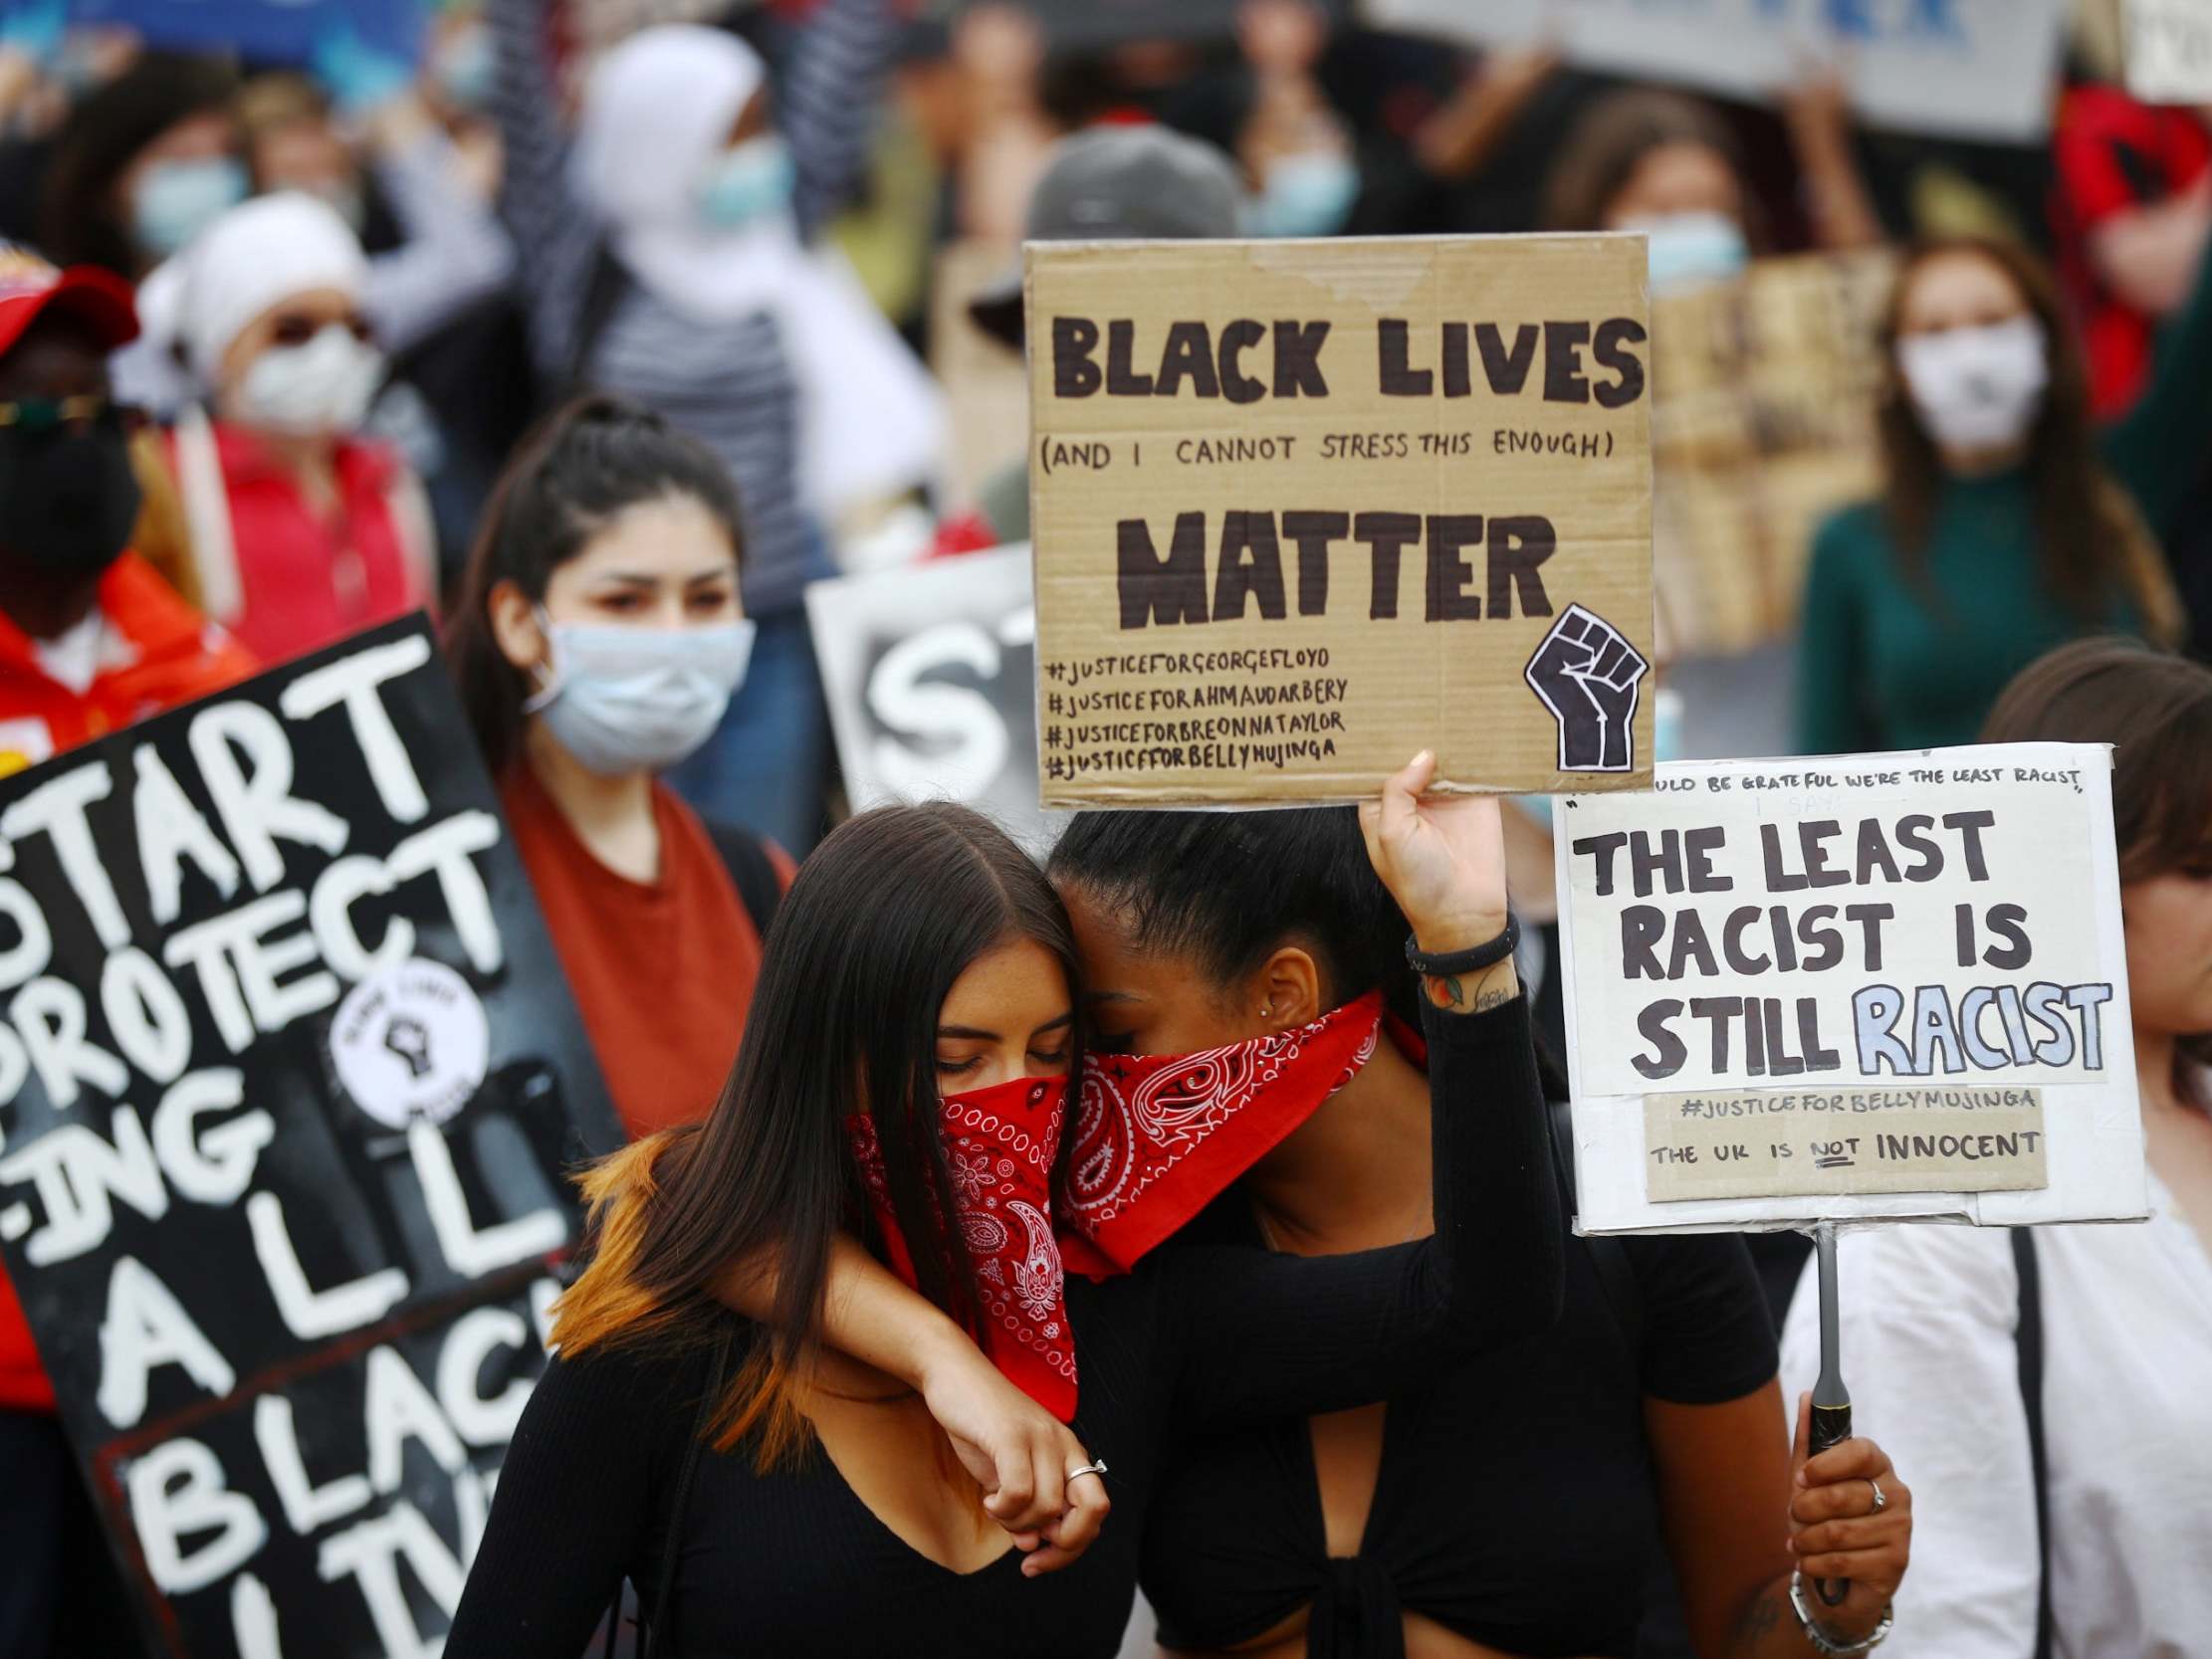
(1587, 674)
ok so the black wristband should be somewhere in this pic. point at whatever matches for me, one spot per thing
(1472, 960)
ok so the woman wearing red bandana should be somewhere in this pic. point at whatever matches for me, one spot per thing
(903, 1074)
(1509, 1505)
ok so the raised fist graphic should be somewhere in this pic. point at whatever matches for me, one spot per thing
(1587, 675)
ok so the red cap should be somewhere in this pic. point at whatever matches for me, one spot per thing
(29, 285)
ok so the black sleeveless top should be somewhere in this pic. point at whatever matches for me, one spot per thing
(1514, 1504)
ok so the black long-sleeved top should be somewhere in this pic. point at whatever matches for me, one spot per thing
(793, 1563)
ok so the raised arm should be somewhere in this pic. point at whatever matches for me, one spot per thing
(829, 104)
(555, 240)
(1260, 1334)
(453, 251)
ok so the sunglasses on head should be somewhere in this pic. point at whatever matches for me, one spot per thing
(297, 328)
(71, 415)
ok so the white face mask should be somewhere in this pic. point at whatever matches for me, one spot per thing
(310, 391)
(629, 699)
(1980, 387)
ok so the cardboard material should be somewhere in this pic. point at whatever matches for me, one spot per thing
(1764, 398)
(986, 391)
(1789, 1143)
(281, 1222)
(1974, 68)
(1945, 921)
(1302, 508)
(2169, 50)
(931, 676)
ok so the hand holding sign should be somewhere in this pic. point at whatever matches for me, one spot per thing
(1837, 1531)
(1443, 859)
(1587, 675)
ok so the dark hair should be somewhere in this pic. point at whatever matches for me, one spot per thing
(1230, 887)
(1610, 141)
(2156, 709)
(884, 916)
(2090, 542)
(78, 223)
(572, 475)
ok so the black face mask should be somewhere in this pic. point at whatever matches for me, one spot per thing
(69, 498)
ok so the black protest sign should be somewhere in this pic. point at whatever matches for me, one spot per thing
(931, 676)
(291, 1080)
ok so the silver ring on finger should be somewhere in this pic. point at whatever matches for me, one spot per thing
(1099, 1469)
(1880, 1502)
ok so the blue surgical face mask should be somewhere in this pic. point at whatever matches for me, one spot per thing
(746, 182)
(625, 700)
(175, 200)
(1688, 250)
(1307, 195)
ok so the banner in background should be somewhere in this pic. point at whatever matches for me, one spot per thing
(1875, 986)
(1976, 68)
(1302, 508)
(1097, 23)
(1764, 393)
(269, 31)
(931, 676)
(292, 1085)
(2169, 50)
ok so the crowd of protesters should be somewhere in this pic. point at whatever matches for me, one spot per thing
(603, 338)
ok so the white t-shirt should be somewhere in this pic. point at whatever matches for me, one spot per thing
(1928, 1315)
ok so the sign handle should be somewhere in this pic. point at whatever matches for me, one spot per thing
(1831, 1399)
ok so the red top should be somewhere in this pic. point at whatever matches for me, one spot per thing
(154, 653)
(2112, 153)
(310, 581)
(662, 971)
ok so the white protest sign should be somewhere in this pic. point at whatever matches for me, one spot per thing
(930, 672)
(2170, 51)
(1870, 986)
(1978, 69)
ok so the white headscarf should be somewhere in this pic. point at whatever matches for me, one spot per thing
(657, 112)
(260, 254)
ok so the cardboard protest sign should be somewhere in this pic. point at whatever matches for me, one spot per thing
(1302, 508)
(291, 1082)
(1764, 395)
(2169, 50)
(269, 31)
(986, 390)
(1879, 986)
(931, 676)
(1976, 68)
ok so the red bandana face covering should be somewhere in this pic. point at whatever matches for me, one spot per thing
(1159, 1137)
(1001, 1143)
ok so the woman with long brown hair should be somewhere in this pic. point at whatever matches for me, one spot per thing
(1943, 1324)
(903, 1074)
(2007, 524)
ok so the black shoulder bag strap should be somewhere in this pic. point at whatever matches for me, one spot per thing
(2028, 1341)
(653, 1622)
(1616, 1273)
(603, 291)
(751, 869)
